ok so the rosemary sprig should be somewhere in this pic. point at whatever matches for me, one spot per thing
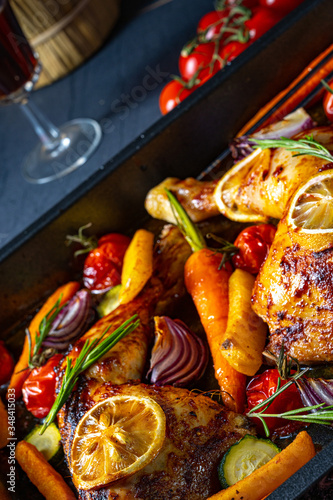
(43, 331)
(307, 146)
(305, 414)
(91, 352)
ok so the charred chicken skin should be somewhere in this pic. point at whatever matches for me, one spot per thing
(293, 294)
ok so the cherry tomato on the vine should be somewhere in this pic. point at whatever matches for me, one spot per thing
(263, 19)
(199, 63)
(172, 94)
(39, 388)
(328, 103)
(212, 23)
(263, 386)
(254, 243)
(103, 265)
(232, 50)
(6, 364)
(283, 6)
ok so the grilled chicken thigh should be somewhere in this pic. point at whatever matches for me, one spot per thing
(263, 187)
(293, 294)
(198, 432)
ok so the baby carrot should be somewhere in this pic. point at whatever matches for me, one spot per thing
(297, 96)
(207, 283)
(21, 370)
(208, 287)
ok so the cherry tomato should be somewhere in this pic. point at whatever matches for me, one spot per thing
(212, 23)
(6, 364)
(172, 94)
(102, 267)
(232, 50)
(262, 387)
(39, 388)
(263, 19)
(199, 63)
(328, 104)
(254, 243)
(283, 6)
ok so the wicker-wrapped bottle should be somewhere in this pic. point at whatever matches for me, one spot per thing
(65, 32)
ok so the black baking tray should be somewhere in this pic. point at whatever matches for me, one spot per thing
(181, 144)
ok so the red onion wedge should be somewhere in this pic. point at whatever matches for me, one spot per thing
(71, 321)
(315, 391)
(292, 124)
(179, 356)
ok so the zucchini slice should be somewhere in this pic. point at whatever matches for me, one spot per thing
(244, 457)
(49, 443)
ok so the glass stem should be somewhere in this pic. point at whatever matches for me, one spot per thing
(48, 133)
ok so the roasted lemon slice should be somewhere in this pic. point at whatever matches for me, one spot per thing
(227, 192)
(309, 219)
(311, 207)
(116, 438)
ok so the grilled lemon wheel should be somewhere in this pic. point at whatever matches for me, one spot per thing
(116, 438)
(311, 207)
(309, 219)
(227, 189)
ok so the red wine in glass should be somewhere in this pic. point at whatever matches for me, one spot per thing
(61, 149)
(17, 59)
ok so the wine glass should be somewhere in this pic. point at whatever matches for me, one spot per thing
(61, 150)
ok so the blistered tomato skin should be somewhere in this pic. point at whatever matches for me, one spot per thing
(6, 364)
(265, 385)
(253, 243)
(102, 267)
(39, 388)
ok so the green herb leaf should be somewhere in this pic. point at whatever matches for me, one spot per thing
(307, 146)
(35, 358)
(189, 230)
(316, 414)
(91, 352)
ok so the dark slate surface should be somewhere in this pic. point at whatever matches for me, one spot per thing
(109, 88)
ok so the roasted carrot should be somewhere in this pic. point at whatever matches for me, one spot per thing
(270, 476)
(48, 481)
(292, 103)
(207, 283)
(21, 370)
(208, 287)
